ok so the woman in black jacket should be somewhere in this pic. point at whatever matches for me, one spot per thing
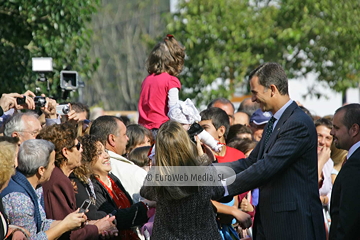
(111, 196)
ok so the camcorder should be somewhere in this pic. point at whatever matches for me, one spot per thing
(69, 80)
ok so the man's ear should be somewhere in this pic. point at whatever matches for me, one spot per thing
(355, 130)
(41, 171)
(221, 131)
(111, 140)
(15, 134)
(273, 89)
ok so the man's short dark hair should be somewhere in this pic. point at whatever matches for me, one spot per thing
(79, 107)
(218, 118)
(103, 126)
(323, 122)
(271, 73)
(221, 100)
(352, 114)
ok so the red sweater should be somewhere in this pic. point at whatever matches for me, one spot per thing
(153, 102)
(231, 155)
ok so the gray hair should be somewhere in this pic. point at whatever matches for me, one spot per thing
(16, 123)
(248, 106)
(33, 154)
(221, 100)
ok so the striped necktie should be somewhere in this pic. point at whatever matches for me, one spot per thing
(269, 129)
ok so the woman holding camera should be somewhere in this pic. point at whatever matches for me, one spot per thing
(111, 196)
(59, 192)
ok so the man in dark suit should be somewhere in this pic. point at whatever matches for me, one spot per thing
(283, 165)
(344, 205)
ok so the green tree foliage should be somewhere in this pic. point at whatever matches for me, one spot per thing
(43, 28)
(225, 39)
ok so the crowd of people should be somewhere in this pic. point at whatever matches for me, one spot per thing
(290, 178)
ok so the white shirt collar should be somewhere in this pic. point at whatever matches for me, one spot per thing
(119, 157)
(353, 149)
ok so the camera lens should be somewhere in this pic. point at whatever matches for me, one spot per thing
(39, 101)
(66, 109)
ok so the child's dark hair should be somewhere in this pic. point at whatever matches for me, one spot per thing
(139, 156)
(236, 129)
(218, 118)
(242, 144)
(136, 134)
(167, 56)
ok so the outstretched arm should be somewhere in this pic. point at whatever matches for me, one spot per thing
(291, 143)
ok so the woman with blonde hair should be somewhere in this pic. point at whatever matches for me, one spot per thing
(190, 208)
(8, 150)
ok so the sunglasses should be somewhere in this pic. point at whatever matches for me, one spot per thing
(78, 146)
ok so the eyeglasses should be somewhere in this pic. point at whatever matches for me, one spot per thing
(33, 133)
(78, 146)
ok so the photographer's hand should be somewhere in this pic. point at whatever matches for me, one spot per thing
(8, 101)
(29, 104)
(73, 116)
(50, 108)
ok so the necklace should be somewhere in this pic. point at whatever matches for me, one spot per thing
(108, 182)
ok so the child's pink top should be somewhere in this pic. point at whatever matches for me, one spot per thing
(153, 102)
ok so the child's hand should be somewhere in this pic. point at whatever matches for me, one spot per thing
(198, 146)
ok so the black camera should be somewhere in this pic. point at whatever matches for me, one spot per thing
(40, 101)
(21, 101)
(194, 130)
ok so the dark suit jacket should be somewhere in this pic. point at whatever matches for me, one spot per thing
(345, 206)
(285, 171)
